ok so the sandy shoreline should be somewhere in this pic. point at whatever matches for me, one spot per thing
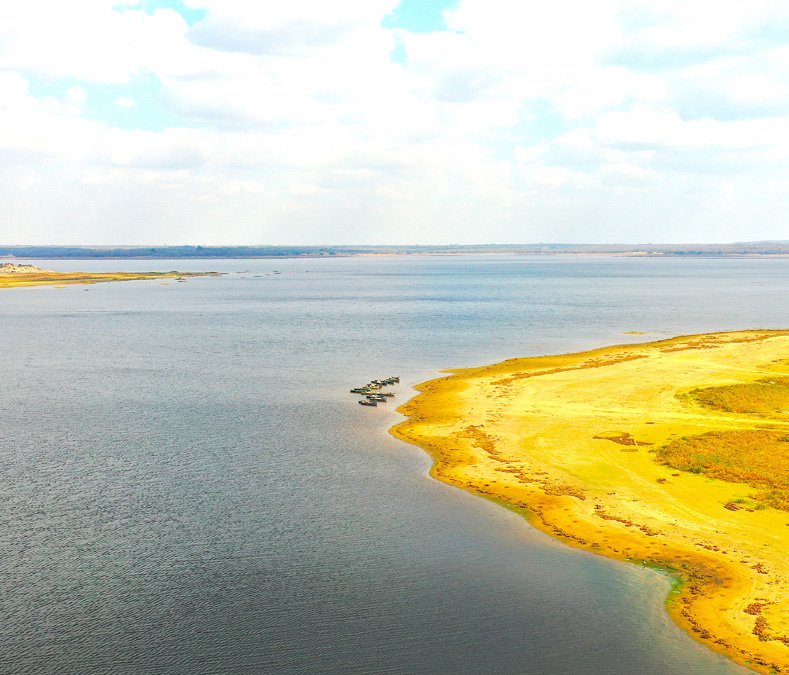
(569, 441)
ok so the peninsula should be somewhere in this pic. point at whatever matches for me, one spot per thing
(12, 275)
(673, 454)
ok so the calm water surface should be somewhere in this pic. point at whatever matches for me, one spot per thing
(186, 487)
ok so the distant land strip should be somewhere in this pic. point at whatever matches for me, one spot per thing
(737, 249)
(14, 276)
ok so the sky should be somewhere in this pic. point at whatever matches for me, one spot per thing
(232, 122)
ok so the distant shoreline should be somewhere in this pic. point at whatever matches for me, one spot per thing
(757, 249)
(741, 249)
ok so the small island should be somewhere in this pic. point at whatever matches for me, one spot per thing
(672, 454)
(14, 275)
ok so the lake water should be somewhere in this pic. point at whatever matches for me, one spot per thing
(188, 488)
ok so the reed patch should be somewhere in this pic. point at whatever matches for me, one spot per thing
(756, 457)
(768, 395)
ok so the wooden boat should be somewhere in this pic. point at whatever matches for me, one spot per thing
(372, 391)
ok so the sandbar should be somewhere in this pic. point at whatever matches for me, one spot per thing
(14, 276)
(632, 452)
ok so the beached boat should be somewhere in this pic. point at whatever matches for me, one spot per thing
(372, 391)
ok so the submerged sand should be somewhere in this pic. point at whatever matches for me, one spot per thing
(570, 441)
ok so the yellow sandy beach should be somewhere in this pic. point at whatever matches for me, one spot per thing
(671, 453)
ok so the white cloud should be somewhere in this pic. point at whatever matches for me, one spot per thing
(77, 96)
(569, 119)
(169, 149)
(88, 39)
(13, 91)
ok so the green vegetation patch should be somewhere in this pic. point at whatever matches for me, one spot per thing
(757, 457)
(768, 395)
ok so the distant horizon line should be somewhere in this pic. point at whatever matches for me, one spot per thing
(4, 247)
(764, 248)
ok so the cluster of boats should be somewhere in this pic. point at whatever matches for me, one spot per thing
(372, 391)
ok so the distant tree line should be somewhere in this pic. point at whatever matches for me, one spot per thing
(121, 252)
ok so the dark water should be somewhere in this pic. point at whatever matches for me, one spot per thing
(186, 487)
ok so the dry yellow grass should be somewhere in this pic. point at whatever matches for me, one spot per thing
(756, 457)
(57, 279)
(766, 395)
(669, 453)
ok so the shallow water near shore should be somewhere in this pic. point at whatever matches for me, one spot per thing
(187, 486)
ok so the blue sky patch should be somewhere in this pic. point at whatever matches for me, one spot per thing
(138, 104)
(398, 54)
(419, 16)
